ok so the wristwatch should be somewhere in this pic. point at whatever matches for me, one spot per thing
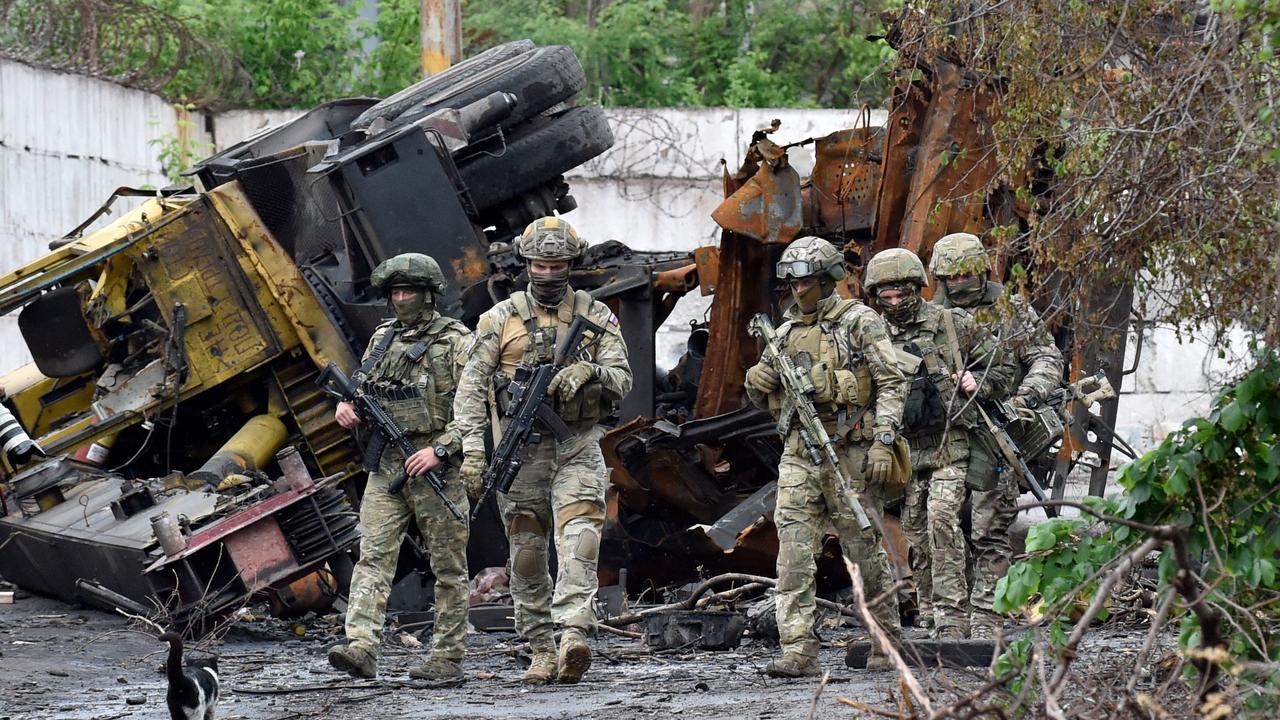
(886, 437)
(442, 452)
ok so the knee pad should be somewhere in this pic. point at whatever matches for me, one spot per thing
(528, 556)
(587, 545)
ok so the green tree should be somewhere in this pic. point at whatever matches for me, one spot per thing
(298, 52)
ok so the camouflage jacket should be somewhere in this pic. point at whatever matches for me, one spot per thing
(927, 336)
(861, 373)
(1018, 329)
(417, 375)
(500, 344)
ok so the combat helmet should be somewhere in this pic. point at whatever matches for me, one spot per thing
(959, 254)
(550, 238)
(413, 269)
(809, 256)
(892, 266)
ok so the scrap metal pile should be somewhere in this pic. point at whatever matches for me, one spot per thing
(193, 464)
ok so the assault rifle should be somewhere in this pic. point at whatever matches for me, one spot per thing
(797, 387)
(998, 416)
(385, 431)
(528, 391)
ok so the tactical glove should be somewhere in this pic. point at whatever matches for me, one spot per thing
(763, 378)
(880, 463)
(472, 473)
(570, 380)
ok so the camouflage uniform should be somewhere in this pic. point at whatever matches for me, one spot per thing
(560, 488)
(854, 370)
(858, 393)
(419, 395)
(1019, 331)
(940, 449)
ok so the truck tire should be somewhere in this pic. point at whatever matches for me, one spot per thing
(540, 78)
(546, 149)
(392, 106)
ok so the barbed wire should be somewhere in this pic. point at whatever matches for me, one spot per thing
(125, 42)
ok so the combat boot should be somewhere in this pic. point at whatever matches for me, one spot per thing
(354, 660)
(877, 659)
(542, 670)
(439, 670)
(793, 665)
(575, 657)
(950, 631)
(984, 625)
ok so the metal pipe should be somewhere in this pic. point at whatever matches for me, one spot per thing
(251, 448)
(167, 532)
(295, 470)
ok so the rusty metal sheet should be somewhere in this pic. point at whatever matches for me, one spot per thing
(261, 554)
(841, 194)
(955, 163)
(767, 207)
(907, 108)
(745, 268)
(708, 261)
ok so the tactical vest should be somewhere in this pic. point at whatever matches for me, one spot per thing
(525, 342)
(411, 374)
(931, 387)
(841, 377)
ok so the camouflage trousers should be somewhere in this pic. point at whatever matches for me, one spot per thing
(559, 494)
(931, 512)
(811, 500)
(383, 520)
(992, 516)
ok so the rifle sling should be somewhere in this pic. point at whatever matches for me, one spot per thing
(374, 355)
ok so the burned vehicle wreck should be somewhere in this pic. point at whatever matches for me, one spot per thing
(192, 463)
(182, 459)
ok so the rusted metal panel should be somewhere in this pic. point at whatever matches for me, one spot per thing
(746, 266)
(261, 554)
(840, 196)
(708, 261)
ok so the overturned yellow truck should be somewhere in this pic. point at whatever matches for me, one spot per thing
(186, 335)
(168, 451)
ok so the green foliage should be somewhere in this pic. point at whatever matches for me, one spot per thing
(298, 52)
(1218, 476)
(178, 151)
(653, 53)
(636, 53)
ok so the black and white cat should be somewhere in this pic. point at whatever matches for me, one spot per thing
(193, 690)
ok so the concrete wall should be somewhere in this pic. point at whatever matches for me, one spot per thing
(67, 141)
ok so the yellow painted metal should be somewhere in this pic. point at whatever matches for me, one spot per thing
(78, 256)
(38, 401)
(280, 277)
(251, 448)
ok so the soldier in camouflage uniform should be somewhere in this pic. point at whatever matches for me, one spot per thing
(961, 266)
(411, 366)
(940, 422)
(559, 492)
(859, 393)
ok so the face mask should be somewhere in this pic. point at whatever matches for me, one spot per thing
(408, 311)
(965, 292)
(548, 288)
(904, 312)
(808, 300)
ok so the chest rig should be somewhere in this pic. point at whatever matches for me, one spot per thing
(925, 412)
(842, 391)
(539, 341)
(410, 372)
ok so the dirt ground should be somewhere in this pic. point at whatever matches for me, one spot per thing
(62, 662)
